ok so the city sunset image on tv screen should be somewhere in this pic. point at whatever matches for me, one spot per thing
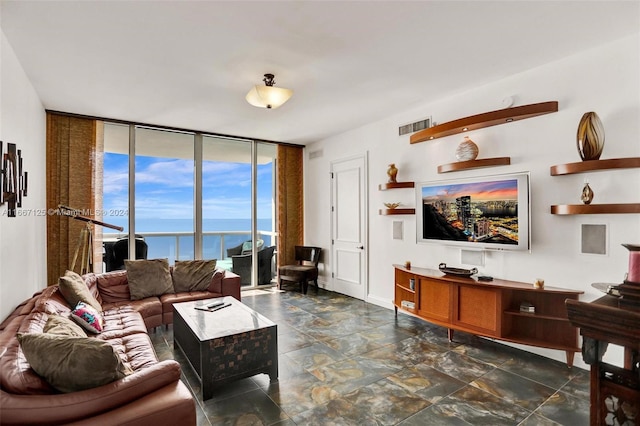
(481, 212)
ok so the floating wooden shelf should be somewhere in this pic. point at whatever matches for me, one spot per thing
(396, 185)
(487, 119)
(474, 164)
(595, 165)
(566, 209)
(389, 212)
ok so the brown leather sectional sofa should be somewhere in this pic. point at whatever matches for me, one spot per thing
(152, 395)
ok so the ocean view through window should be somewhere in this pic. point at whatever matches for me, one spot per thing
(166, 192)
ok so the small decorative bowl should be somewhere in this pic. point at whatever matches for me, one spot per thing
(391, 206)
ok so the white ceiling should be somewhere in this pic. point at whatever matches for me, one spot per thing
(190, 64)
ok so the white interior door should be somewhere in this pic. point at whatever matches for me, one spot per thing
(349, 226)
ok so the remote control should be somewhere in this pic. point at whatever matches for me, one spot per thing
(214, 304)
(484, 278)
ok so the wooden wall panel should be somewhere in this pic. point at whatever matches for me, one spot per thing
(290, 202)
(71, 147)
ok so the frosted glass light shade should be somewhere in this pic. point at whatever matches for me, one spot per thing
(268, 96)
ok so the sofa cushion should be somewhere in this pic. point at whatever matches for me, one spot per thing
(135, 350)
(148, 278)
(193, 275)
(87, 317)
(16, 375)
(34, 322)
(22, 309)
(113, 287)
(72, 364)
(74, 290)
(122, 321)
(57, 324)
(91, 281)
(52, 302)
(150, 308)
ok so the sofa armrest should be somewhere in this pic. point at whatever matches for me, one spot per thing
(231, 285)
(170, 405)
(65, 408)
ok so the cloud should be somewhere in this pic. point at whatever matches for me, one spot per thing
(115, 182)
(171, 173)
(164, 188)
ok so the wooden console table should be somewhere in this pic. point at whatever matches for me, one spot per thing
(490, 309)
(615, 391)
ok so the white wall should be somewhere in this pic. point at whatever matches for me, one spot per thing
(23, 267)
(604, 79)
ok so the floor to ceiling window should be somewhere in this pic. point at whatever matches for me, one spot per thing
(194, 196)
(226, 196)
(115, 180)
(164, 193)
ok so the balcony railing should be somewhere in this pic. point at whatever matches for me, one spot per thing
(180, 245)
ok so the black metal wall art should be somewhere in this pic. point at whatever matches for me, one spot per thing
(13, 179)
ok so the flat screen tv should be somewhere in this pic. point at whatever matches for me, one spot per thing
(489, 212)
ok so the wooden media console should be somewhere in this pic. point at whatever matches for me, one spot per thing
(489, 308)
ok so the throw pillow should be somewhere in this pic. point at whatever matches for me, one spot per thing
(246, 247)
(74, 290)
(193, 275)
(87, 317)
(57, 324)
(72, 364)
(148, 278)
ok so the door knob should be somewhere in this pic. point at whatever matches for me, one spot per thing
(360, 247)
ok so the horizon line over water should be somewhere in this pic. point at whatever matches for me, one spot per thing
(186, 225)
(165, 247)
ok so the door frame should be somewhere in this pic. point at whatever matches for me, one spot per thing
(365, 219)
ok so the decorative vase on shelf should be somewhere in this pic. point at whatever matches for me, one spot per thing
(633, 275)
(587, 194)
(590, 136)
(392, 172)
(467, 150)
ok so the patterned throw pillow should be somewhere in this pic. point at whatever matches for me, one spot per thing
(88, 317)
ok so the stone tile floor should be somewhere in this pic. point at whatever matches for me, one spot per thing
(346, 362)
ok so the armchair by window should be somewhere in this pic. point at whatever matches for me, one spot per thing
(242, 266)
(244, 248)
(304, 271)
(117, 252)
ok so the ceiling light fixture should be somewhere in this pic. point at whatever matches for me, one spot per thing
(268, 96)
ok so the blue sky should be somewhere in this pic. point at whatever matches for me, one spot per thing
(165, 189)
(490, 190)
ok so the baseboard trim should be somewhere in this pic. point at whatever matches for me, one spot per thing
(379, 301)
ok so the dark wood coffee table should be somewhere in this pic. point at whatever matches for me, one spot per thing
(225, 345)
